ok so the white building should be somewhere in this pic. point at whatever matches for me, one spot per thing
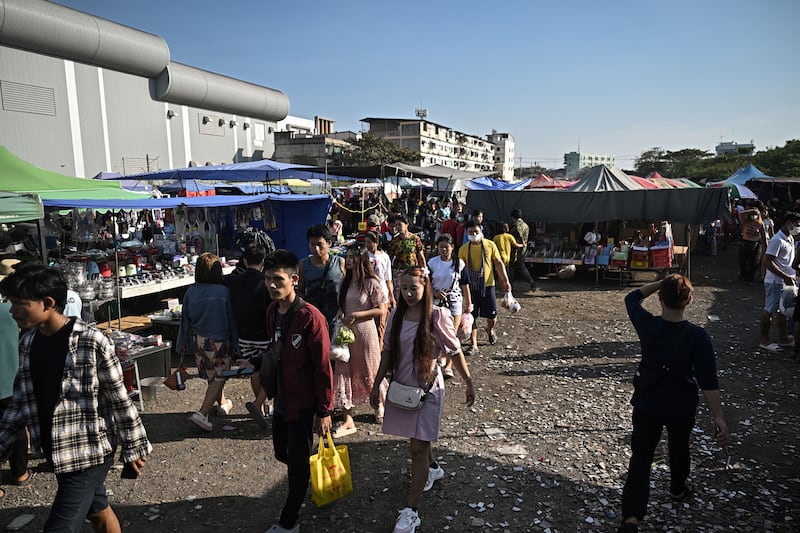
(726, 147)
(437, 144)
(80, 94)
(503, 154)
(575, 161)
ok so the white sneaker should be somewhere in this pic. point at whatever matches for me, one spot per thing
(434, 475)
(201, 421)
(276, 528)
(407, 522)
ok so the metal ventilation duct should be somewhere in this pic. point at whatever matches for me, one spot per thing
(182, 84)
(55, 30)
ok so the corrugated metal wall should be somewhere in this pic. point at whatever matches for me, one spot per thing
(136, 124)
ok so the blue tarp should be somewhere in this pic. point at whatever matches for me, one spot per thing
(251, 188)
(128, 185)
(185, 184)
(263, 170)
(745, 174)
(293, 213)
(491, 184)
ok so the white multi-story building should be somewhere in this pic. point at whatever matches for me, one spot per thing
(575, 161)
(437, 144)
(727, 147)
(503, 154)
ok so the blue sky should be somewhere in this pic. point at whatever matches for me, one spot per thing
(615, 77)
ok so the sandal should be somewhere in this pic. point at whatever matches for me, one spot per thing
(493, 338)
(342, 431)
(23, 482)
(226, 407)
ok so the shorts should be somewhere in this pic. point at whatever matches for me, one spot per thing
(455, 303)
(484, 305)
(253, 351)
(772, 296)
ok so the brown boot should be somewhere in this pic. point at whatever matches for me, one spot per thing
(105, 521)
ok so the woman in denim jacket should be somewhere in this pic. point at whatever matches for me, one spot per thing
(208, 330)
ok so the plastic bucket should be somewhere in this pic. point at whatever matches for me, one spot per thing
(148, 387)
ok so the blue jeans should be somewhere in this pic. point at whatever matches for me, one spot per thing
(79, 494)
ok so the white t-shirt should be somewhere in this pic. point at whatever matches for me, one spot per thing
(74, 304)
(782, 247)
(382, 265)
(442, 273)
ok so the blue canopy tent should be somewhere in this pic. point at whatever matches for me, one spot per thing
(262, 170)
(745, 174)
(250, 188)
(285, 210)
(189, 186)
(128, 185)
(491, 184)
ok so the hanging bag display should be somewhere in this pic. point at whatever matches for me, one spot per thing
(331, 478)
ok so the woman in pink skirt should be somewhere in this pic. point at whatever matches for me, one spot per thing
(415, 334)
(361, 300)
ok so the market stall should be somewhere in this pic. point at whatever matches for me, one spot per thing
(609, 203)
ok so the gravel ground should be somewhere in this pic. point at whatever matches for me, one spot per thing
(544, 448)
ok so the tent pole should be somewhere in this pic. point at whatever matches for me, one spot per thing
(42, 243)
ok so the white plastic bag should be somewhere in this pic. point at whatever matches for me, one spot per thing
(340, 352)
(509, 302)
(788, 300)
(465, 326)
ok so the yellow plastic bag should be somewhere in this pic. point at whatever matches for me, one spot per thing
(330, 472)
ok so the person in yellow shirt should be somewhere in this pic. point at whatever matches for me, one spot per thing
(482, 260)
(505, 244)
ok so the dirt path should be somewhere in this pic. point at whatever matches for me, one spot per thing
(545, 448)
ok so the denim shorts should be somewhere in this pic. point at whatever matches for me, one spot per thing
(79, 495)
(772, 296)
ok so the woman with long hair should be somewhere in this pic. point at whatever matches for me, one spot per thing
(361, 301)
(208, 330)
(448, 291)
(416, 333)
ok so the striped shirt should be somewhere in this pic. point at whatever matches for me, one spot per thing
(93, 411)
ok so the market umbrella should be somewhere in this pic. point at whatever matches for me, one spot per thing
(737, 191)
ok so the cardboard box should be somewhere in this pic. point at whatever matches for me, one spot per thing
(170, 303)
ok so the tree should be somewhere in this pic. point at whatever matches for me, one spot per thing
(780, 161)
(371, 150)
(652, 160)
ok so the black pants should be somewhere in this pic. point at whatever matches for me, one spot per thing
(292, 444)
(749, 252)
(518, 269)
(646, 435)
(18, 458)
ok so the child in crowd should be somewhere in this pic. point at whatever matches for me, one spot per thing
(416, 333)
(70, 393)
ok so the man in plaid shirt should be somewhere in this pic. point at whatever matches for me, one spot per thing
(70, 393)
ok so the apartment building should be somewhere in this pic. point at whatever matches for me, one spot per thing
(437, 144)
(575, 161)
(503, 154)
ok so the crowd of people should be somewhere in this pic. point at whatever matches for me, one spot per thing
(404, 303)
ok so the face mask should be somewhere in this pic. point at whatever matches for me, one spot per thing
(478, 237)
(460, 219)
(795, 230)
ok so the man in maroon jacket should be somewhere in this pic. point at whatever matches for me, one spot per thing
(305, 380)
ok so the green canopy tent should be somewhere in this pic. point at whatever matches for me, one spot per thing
(19, 208)
(16, 208)
(17, 175)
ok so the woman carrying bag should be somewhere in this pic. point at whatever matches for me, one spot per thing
(416, 333)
